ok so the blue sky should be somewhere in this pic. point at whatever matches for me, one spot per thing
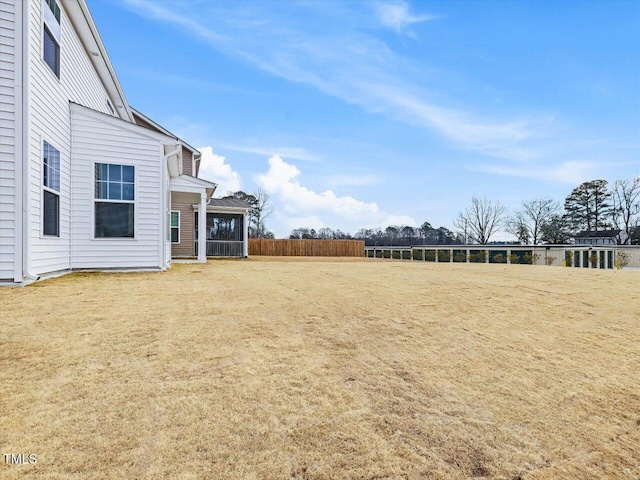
(365, 113)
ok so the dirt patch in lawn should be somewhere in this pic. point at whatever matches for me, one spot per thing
(317, 368)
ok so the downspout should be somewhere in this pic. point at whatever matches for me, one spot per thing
(172, 153)
(167, 200)
(197, 158)
(25, 157)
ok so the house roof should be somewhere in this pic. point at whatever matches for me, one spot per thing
(597, 234)
(76, 109)
(161, 129)
(80, 17)
(228, 203)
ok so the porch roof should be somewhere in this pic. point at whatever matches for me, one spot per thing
(228, 203)
(188, 184)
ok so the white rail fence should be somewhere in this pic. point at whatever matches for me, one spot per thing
(578, 256)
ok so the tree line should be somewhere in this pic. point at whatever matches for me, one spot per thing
(592, 206)
(400, 235)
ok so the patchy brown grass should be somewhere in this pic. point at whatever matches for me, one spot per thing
(324, 369)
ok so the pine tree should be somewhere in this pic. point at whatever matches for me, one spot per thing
(588, 206)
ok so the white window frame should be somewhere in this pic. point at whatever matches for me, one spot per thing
(45, 188)
(53, 25)
(108, 200)
(171, 227)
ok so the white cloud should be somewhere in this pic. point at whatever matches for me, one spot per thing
(214, 169)
(305, 55)
(298, 203)
(396, 15)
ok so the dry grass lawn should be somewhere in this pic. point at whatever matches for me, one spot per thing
(298, 368)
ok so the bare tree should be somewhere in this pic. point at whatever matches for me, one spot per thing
(461, 222)
(526, 224)
(539, 211)
(261, 211)
(519, 227)
(325, 233)
(626, 206)
(482, 219)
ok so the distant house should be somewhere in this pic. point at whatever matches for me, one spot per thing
(86, 182)
(602, 237)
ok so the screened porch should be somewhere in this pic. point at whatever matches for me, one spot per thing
(225, 235)
(226, 228)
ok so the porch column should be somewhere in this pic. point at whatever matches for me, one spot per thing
(245, 234)
(202, 229)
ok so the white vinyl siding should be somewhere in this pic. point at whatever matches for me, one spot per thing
(97, 141)
(50, 120)
(8, 33)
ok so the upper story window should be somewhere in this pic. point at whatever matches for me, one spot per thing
(51, 35)
(54, 8)
(51, 52)
(114, 200)
(51, 191)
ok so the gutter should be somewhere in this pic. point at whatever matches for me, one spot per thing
(197, 157)
(24, 148)
(173, 152)
(177, 152)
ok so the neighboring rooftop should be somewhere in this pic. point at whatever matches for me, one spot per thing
(597, 234)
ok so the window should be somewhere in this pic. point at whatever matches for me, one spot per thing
(51, 52)
(51, 191)
(51, 35)
(114, 200)
(175, 227)
(55, 9)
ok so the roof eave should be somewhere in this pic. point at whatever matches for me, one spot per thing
(76, 108)
(87, 31)
(138, 113)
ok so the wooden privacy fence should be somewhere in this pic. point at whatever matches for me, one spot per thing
(306, 248)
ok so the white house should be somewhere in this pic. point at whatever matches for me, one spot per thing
(82, 185)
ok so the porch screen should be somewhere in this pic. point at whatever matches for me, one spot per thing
(223, 227)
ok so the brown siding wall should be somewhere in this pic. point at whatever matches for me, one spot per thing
(306, 248)
(187, 164)
(187, 156)
(186, 247)
(142, 123)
